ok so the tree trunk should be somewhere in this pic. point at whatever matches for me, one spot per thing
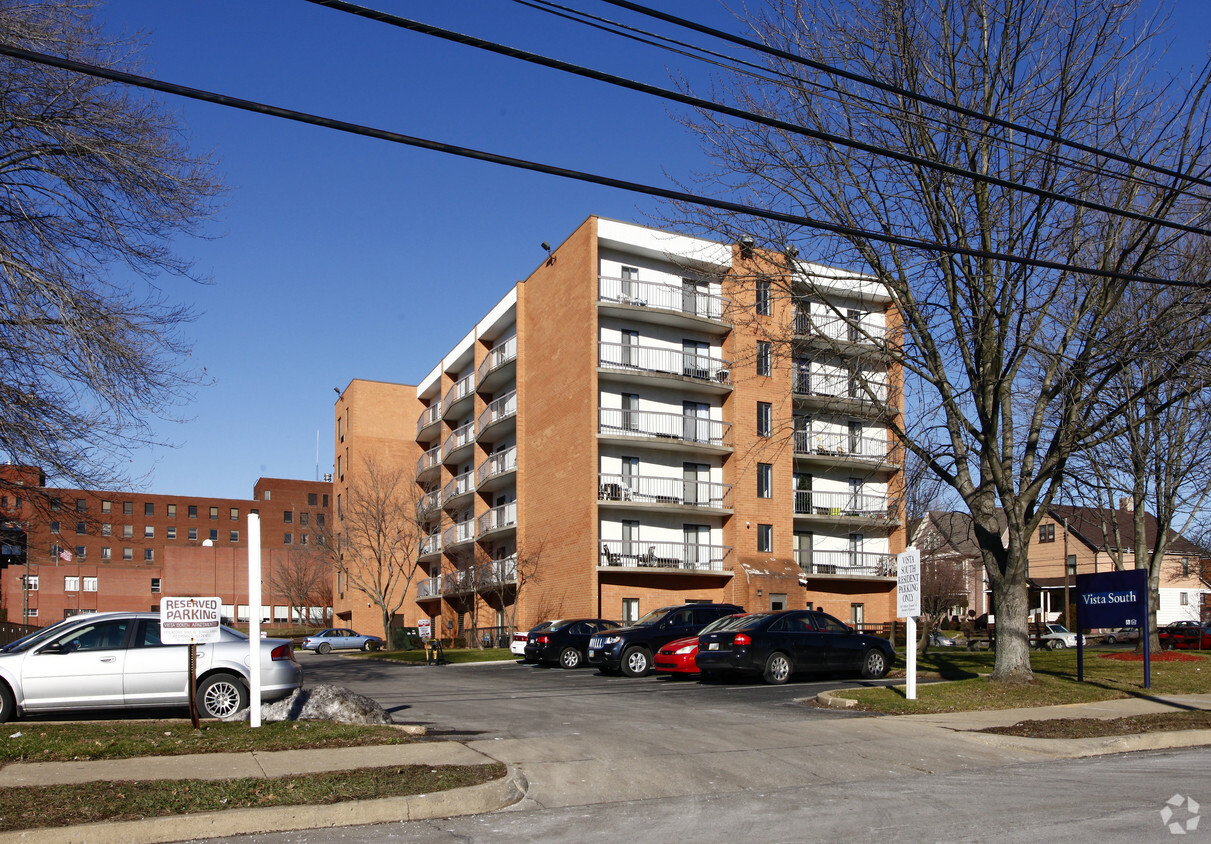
(1013, 636)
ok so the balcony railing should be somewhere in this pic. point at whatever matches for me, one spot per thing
(459, 533)
(667, 555)
(428, 416)
(675, 427)
(431, 501)
(634, 358)
(497, 357)
(497, 464)
(498, 518)
(459, 485)
(430, 587)
(431, 459)
(862, 505)
(481, 578)
(459, 390)
(839, 329)
(501, 408)
(431, 544)
(460, 437)
(653, 490)
(840, 385)
(681, 299)
(844, 444)
(846, 562)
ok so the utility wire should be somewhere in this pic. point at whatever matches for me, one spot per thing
(902, 92)
(578, 175)
(752, 117)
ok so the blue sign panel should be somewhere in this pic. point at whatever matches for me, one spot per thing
(1112, 599)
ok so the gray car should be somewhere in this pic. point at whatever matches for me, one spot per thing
(117, 661)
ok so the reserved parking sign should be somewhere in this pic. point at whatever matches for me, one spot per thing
(185, 621)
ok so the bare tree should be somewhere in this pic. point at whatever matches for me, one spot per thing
(378, 535)
(505, 580)
(301, 576)
(1007, 297)
(96, 184)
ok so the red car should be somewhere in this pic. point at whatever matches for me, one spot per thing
(1191, 635)
(677, 658)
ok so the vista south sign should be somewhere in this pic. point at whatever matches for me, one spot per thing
(1112, 599)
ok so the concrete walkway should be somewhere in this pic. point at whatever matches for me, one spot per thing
(593, 768)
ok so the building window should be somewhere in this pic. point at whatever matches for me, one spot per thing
(765, 480)
(287, 539)
(81, 550)
(234, 514)
(319, 519)
(630, 611)
(325, 499)
(312, 499)
(31, 583)
(214, 535)
(233, 536)
(288, 517)
(80, 529)
(155, 585)
(857, 615)
(214, 512)
(764, 361)
(149, 509)
(267, 495)
(777, 601)
(1071, 564)
(128, 553)
(128, 531)
(56, 504)
(71, 584)
(193, 511)
(90, 584)
(107, 529)
(763, 298)
(193, 534)
(765, 419)
(765, 538)
(105, 553)
(107, 506)
(1185, 566)
(149, 531)
(1047, 533)
(302, 539)
(303, 518)
(172, 532)
(1183, 599)
(54, 527)
(172, 511)
(81, 505)
(128, 508)
(149, 554)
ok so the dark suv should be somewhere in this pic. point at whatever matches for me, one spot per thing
(630, 649)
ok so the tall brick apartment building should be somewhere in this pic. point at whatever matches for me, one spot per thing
(90, 551)
(645, 421)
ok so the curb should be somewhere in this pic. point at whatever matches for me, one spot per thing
(1100, 746)
(472, 800)
(833, 700)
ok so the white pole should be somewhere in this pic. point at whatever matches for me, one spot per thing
(254, 618)
(910, 657)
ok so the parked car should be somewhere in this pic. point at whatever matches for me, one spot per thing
(340, 638)
(777, 645)
(564, 642)
(1192, 635)
(518, 646)
(117, 661)
(677, 657)
(940, 639)
(1055, 636)
(1123, 634)
(630, 649)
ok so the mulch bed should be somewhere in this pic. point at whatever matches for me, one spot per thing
(1098, 727)
(1163, 656)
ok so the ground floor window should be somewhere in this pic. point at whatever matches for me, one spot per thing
(630, 611)
(857, 614)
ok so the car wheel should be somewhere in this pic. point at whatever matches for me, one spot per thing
(324, 648)
(1110, 640)
(636, 662)
(777, 669)
(369, 645)
(8, 705)
(875, 665)
(1058, 644)
(222, 695)
(570, 658)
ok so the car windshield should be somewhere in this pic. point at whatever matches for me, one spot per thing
(1058, 628)
(653, 617)
(723, 623)
(545, 625)
(31, 639)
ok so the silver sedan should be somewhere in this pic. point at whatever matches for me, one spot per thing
(116, 661)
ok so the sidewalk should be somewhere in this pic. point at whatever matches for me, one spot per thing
(559, 771)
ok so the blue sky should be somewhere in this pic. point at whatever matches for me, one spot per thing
(339, 257)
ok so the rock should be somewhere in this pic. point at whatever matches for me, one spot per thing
(324, 702)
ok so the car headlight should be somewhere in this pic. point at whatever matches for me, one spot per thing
(611, 640)
(688, 649)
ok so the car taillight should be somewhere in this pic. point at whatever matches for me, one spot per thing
(542, 640)
(285, 651)
(742, 639)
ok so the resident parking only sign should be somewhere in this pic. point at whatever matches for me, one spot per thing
(908, 584)
(189, 620)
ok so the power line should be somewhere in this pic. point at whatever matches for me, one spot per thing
(742, 114)
(902, 92)
(635, 187)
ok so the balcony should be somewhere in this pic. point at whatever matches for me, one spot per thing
(429, 463)
(665, 428)
(834, 331)
(498, 518)
(429, 416)
(673, 492)
(846, 449)
(666, 556)
(430, 587)
(430, 503)
(648, 361)
(846, 506)
(846, 563)
(486, 577)
(635, 298)
(460, 438)
(460, 391)
(430, 545)
(498, 411)
(495, 467)
(459, 533)
(493, 369)
(458, 486)
(841, 392)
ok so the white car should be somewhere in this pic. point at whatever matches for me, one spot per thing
(1059, 636)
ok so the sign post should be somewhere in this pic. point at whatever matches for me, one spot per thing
(908, 607)
(189, 621)
(254, 619)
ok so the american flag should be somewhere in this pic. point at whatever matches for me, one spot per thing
(65, 555)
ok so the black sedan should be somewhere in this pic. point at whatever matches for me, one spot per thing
(776, 645)
(564, 642)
